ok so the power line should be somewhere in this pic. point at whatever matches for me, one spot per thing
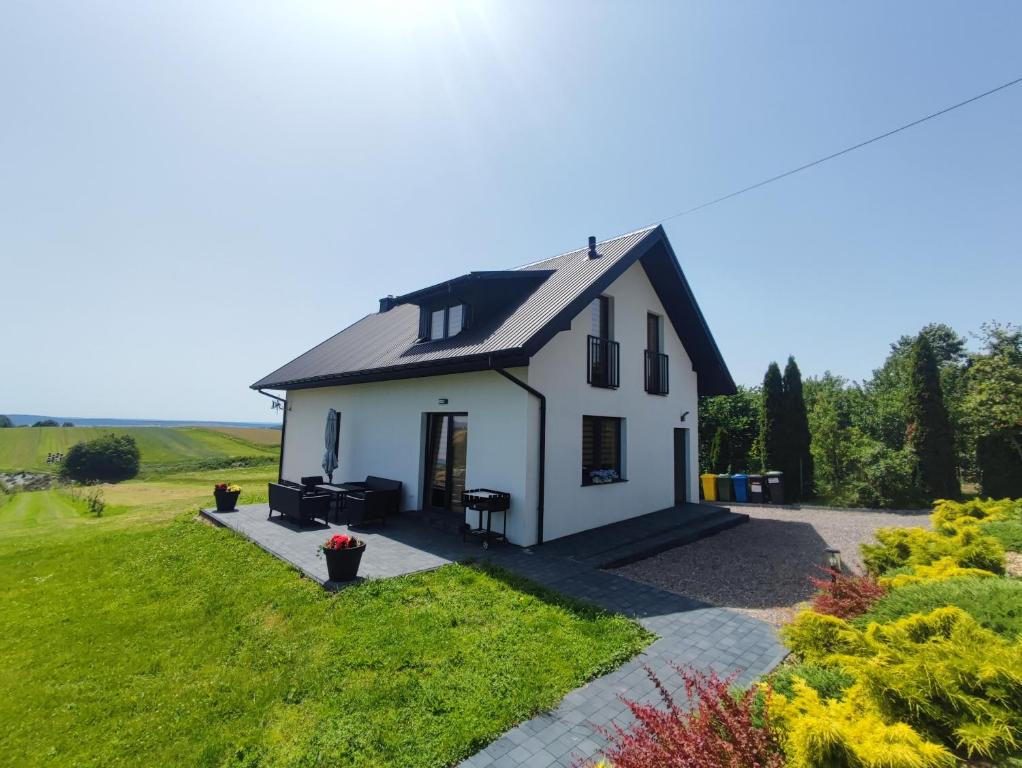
(844, 151)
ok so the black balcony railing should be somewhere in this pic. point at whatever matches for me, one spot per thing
(602, 368)
(656, 373)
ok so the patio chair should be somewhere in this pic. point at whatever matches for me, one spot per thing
(296, 505)
(310, 482)
(377, 498)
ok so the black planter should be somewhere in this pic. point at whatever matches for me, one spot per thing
(342, 564)
(225, 500)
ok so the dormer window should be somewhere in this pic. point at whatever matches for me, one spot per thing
(442, 323)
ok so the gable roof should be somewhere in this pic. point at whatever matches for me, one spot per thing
(386, 345)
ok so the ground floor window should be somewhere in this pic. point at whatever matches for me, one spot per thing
(601, 450)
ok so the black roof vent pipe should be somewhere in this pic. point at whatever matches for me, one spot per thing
(592, 247)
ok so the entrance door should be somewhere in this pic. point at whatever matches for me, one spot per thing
(680, 466)
(446, 452)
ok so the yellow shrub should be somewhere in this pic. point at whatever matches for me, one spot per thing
(940, 570)
(942, 673)
(901, 547)
(849, 732)
(817, 638)
(949, 516)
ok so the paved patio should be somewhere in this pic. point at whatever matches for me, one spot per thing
(696, 634)
(405, 545)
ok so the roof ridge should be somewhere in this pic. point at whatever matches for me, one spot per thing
(645, 229)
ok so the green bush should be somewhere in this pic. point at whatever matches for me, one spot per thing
(828, 682)
(900, 547)
(106, 459)
(885, 479)
(995, 603)
(1008, 532)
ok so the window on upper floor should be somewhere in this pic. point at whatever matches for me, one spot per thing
(443, 323)
(654, 340)
(600, 309)
(655, 366)
(602, 369)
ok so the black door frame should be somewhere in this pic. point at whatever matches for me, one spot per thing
(427, 474)
(681, 439)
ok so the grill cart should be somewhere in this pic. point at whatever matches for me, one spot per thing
(488, 501)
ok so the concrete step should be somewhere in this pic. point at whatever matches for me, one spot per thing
(691, 531)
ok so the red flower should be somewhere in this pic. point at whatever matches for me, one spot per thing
(341, 541)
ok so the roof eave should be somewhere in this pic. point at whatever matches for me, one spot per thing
(511, 358)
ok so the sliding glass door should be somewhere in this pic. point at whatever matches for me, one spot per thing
(446, 453)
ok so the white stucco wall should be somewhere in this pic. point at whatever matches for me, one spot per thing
(559, 371)
(382, 433)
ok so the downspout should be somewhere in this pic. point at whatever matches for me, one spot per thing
(542, 445)
(283, 431)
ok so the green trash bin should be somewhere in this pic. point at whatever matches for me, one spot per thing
(724, 487)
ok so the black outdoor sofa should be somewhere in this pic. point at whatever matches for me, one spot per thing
(293, 503)
(373, 501)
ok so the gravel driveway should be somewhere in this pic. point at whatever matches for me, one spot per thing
(761, 568)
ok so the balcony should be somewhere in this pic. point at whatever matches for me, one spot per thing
(656, 373)
(602, 368)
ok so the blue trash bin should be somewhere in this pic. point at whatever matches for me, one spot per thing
(741, 486)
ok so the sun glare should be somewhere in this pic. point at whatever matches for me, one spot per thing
(418, 16)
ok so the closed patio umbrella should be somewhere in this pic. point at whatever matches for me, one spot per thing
(330, 456)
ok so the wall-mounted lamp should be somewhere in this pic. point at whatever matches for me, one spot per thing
(442, 401)
(684, 415)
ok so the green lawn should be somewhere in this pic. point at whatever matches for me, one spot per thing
(26, 448)
(147, 638)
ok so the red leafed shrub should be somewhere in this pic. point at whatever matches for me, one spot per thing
(720, 731)
(845, 596)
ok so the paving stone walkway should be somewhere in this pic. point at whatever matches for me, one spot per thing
(690, 633)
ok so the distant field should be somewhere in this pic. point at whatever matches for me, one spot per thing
(26, 448)
(258, 436)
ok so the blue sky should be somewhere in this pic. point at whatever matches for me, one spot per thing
(193, 193)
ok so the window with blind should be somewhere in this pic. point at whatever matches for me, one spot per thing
(601, 450)
(443, 323)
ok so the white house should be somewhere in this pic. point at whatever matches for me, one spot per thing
(571, 383)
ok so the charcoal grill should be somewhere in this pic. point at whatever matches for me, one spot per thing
(488, 501)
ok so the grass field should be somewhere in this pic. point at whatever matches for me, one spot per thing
(252, 435)
(26, 448)
(145, 637)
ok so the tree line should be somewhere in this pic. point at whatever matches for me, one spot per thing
(933, 416)
(6, 423)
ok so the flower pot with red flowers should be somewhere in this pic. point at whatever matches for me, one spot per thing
(226, 495)
(343, 554)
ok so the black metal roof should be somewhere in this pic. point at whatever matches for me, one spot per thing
(386, 345)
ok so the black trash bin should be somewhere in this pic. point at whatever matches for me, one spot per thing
(775, 487)
(756, 489)
(723, 487)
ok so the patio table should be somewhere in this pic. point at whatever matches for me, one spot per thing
(337, 492)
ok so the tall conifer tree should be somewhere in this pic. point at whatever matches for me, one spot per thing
(930, 437)
(798, 461)
(771, 419)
